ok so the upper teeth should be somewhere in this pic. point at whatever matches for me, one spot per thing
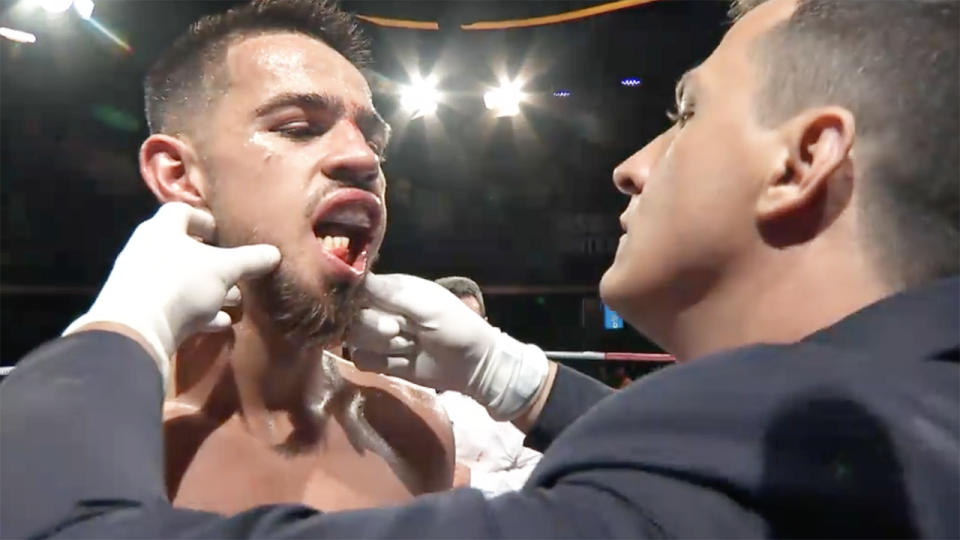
(349, 215)
(333, 242)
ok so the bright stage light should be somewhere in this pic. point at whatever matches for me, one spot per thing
(56, 6)
(84, 8)
(420, 98)
(17, 35)
(504, 101)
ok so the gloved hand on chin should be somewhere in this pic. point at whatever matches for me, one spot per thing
(417, 330)
(166, 286)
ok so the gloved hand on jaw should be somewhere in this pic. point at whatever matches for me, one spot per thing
(417, 330)
(166, 285)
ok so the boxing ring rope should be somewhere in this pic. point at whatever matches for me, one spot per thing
(608, 356)
(591, 356)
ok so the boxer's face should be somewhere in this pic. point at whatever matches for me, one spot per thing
(290, 156)
(694, 189)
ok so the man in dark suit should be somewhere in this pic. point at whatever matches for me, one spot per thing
(795, 246)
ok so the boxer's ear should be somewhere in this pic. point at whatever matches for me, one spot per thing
(170, 168)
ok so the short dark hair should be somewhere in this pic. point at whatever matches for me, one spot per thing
(462, 287)
(187, 78)
(895, 65)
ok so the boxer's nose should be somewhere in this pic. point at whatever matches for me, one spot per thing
(351, 161)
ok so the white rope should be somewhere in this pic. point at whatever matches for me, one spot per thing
(609, 356)
(570, 355)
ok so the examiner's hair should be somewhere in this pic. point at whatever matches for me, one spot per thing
(462, 287)
(190, 75)
(895, 65)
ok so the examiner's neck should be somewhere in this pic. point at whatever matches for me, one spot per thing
(779, 307)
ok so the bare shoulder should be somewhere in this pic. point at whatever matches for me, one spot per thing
(411, 418)
(423, 401)
(173, 408)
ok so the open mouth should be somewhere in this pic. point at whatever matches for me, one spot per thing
(346, 225)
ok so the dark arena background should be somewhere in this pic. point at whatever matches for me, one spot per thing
(522, 203)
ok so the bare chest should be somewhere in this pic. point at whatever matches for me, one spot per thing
(227, 471)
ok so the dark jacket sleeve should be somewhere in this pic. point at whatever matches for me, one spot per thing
(79, 421)
(572, 395)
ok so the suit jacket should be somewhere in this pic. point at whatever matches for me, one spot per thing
(853, 432)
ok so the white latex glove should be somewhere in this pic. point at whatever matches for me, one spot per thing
(419, 331)
(166, 285)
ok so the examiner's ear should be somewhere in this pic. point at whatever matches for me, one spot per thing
(815, 151)
(169, 167)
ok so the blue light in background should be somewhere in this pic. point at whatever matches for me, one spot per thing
(631, 82)
(561, 93)
(611, 321)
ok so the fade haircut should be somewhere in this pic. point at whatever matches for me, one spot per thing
(191, 74)
(462, 287)
(894, 64)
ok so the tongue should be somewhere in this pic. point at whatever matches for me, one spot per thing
(341, 253)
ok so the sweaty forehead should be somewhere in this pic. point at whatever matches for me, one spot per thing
(264, 66)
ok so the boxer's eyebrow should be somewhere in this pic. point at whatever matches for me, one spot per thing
(308, 101)
(368, 120)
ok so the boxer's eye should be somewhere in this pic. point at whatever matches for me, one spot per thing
(300, 131)
(378, 149)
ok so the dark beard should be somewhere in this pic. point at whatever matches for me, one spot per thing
(300, 316)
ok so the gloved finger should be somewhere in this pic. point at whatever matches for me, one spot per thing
(395, 366)
(401, 345)
(373, 343)
(368, 360)
(397, 345)
(246, 262)
(183, 217)
(394, 294)
(219, 323)
(372, 339)
(378, 323)
(370, 328)
(233, 297)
